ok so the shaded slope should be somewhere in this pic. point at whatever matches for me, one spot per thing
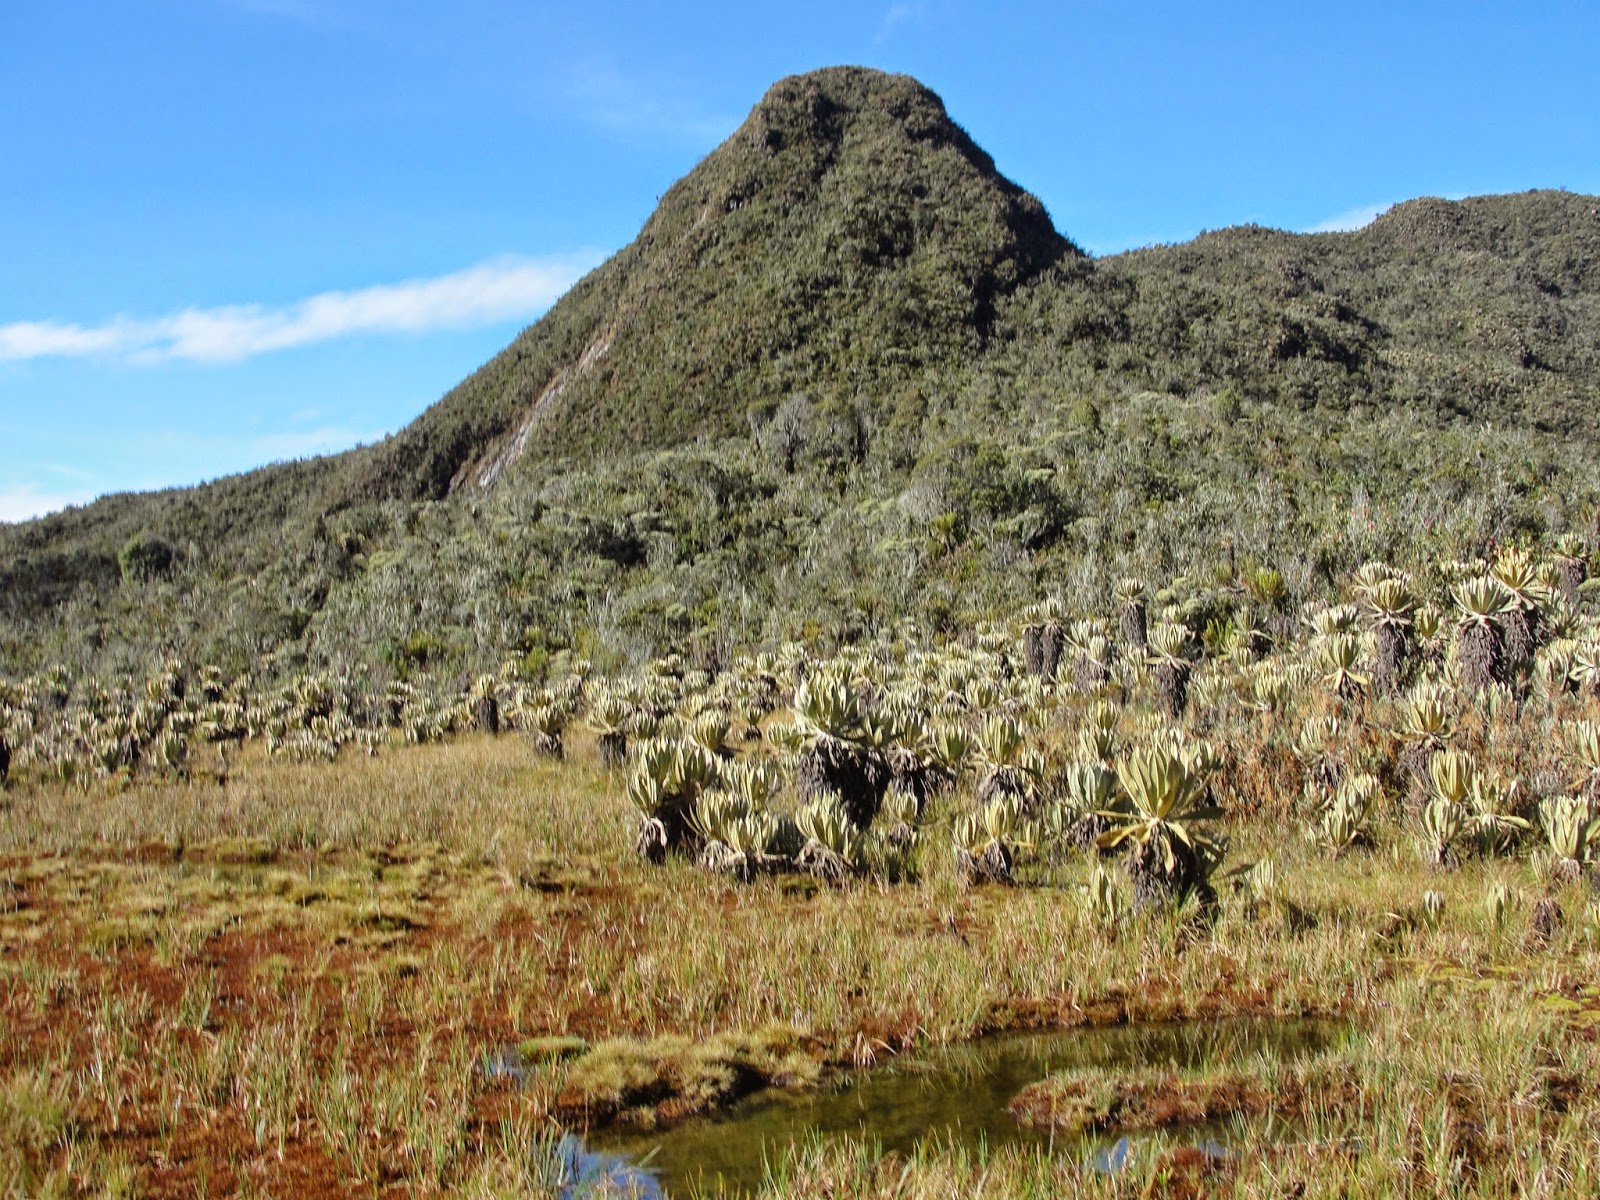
(850, 243)
(847, 236)
(1486, 308)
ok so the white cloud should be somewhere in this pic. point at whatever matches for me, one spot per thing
(24, 501)
(899, 13)
(607, 97)
(495, 291)
(301, 443)
(1356, 218)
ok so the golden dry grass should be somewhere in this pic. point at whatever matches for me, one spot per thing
(289, 985)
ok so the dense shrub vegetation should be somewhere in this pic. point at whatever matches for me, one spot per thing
(701, 677)
(848, 374)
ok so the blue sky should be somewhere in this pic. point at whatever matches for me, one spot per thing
(233, 231)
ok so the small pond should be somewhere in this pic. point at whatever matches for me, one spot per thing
(957, 1094)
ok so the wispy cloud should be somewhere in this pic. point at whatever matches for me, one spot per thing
(902, 12)
(1356, 218)
(608, 97)
(25, 501)
(496, 291)
(303, 442)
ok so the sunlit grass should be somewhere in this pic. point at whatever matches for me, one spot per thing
(265, 981)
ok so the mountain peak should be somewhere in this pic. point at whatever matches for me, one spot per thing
(818, 106)
(847, 237)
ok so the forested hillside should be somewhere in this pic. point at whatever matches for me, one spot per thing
(848, 374)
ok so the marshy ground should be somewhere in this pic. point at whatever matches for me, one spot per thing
(257, 988)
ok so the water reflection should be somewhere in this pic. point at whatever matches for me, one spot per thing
(958, 1095)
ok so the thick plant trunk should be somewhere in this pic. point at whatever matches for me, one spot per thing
(1349, 691)
(1153, 884)
(1542, 926)
(1519, 639)
(1001, 781)
(992, 864)
(1033, 649)
(1389, 658)
(720, 859)
(1172, 682)
(488, 711)
(1092, 673)
(819, 862)
(1413, 763)
(1482, 655)
(650, 842)
(845, 770)
(1133, 626)
(1573, 572)
(909, 774)
(1050, 650)
(1084, 833)
(613, 748)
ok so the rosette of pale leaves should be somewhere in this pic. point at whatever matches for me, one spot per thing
(547, 723)
(987, 839)
(1525, 586)
(1333, 620)
(608, 720)
(826, 706)
(1269, 688)
(757, 784)
(1088, 787)
(1317, 748)
(1163, 813)
(1440, 824)
(1168, 654)
(665, 786)
(894, 724)
(1451, 776)
(608, 714)
(710, 729)
(172, 753)
(1445, 816)
(736, 838)
(1425, 717)
(1370, 575)
(1002, 746)
(899, 812)
(1340, 656)
(1570, 827)
(982, 695)
(834, 848)
(1344, 822)
(952, 747)
(1586, 664)
(1490, 819)
(1480, 645)
(1428, 622)
(1555, 668)
(1583, 742)
(715, 811)
(1103, 900)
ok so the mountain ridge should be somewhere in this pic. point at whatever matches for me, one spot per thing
(847, 308)
(817, 143)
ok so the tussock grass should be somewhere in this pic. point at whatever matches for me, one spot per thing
(316, 1009)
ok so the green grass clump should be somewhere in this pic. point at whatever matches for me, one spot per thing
(672, 1077)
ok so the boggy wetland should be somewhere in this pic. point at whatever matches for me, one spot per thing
(864, 698)
(1300, 903)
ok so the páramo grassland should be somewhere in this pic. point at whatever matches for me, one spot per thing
(264, 940)
(853, 621)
